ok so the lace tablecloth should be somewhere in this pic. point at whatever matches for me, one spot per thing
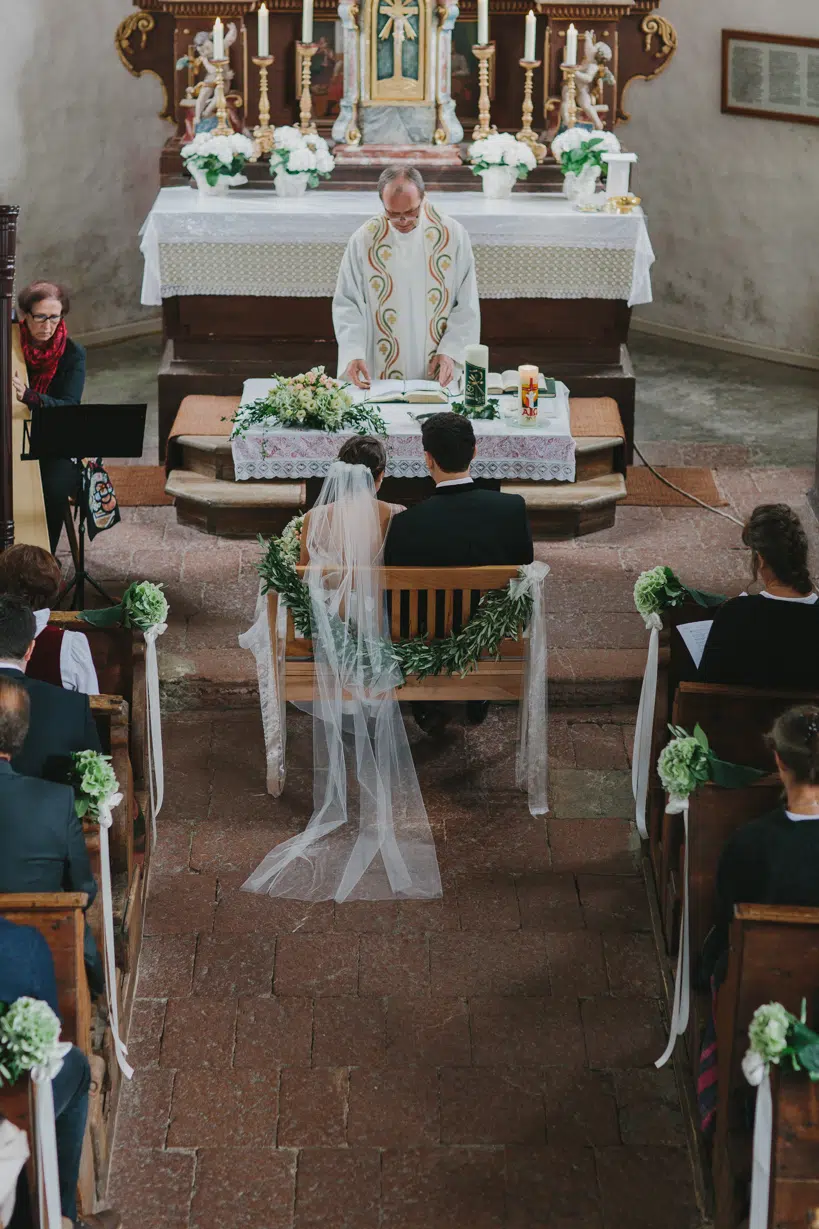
(545, 453)
(255, 243)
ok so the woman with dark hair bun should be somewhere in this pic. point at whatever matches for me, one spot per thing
(48, 369)
(771, 639)
(369, 451)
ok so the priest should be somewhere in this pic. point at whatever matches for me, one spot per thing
(406, 299)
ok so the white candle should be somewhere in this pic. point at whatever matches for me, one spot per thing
(477, 355)
(218, 39)
(529, 42)
(571, 45)
(483, 22)
(264, 32)
(528, 379)
(307, 22)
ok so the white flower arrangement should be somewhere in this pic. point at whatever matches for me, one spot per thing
(29, 1037)
(775, 1033)
(501, 149)
(312, 401)
(295, 153)
(219, 158)
(575, 148)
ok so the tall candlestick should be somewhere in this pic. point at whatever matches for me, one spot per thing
(307, 22)
(527, 132)
(483, 55)
(306, 52)
(529, 41)
(218, 39)
(223, 128)
(263, 133)
(483, 22)
(264, 33)
(571, 45)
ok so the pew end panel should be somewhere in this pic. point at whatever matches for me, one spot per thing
(111, 715)
(794, 1193)
(736, 720)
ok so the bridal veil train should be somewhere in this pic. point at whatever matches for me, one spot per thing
(368, 837)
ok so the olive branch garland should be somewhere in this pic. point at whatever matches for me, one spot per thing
(499, 616)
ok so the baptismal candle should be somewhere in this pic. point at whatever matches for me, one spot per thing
(571, 45)
(483, 22)
(218, 39)
(264, 32)
(528, 384)
(529, 43)
(307, 22)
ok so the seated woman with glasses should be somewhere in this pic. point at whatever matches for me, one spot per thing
(48, 369)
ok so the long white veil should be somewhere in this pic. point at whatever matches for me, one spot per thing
(368, 837)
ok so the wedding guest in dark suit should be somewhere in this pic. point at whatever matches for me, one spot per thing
(27, 969)
(42, 847)
(460, 525)
(769, 640)
(60, 721)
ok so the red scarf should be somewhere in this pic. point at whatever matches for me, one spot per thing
(42, 361)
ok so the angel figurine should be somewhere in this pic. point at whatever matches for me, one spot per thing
(590, 76)
(203, 94)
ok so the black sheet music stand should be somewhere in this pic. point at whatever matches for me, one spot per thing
(66, 432)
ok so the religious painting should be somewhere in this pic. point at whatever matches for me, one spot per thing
(770, 76)
(464, 88)
(398, 50)
(326, 69)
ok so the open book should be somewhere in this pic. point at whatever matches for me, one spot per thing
(508, 382)
(411, 392)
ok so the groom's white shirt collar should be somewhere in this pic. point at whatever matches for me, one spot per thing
(453, 482)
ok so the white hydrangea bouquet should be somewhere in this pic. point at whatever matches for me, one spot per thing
(774, 1034)
(299, 160)
(687, 762)
(580, 154)
(500, 159)
(29, 1039)
(216, 163)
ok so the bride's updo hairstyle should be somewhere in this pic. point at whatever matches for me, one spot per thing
(365, 450)
(795, 739)
(774, 533)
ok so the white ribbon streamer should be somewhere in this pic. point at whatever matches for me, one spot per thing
(48, 1174)
(532, 766)
(14, 1152)
(267, 644)
(682, 980)
(641, 762)
(105, 822)
(156, 762)
(763, 1143)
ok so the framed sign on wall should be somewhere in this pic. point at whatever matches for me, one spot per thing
(771, 76)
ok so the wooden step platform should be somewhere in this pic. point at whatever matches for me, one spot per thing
(208, 497)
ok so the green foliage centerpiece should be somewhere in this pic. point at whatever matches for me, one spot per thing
(312, 401)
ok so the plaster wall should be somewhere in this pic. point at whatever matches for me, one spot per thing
(79, 151)
(731, 201)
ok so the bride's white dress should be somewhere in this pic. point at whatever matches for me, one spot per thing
(368, 837)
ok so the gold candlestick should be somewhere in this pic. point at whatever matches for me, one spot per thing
(223, 128)
(569, 71)
(483, 54)
(306, 53)
(263, 133)
(527, 133)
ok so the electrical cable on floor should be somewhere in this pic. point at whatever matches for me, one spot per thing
(680, 491)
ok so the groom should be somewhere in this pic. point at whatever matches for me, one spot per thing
(460, 525)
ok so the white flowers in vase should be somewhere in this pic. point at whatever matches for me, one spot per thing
(500, 159)
(580, 154)
(299, 160)
(215, 162)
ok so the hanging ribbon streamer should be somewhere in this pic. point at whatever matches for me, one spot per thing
(156, 762)
(763, 1142)
(532, 766)
(105, 821)
(682, 981)
(48, 1174)
(267, 644)
(641, 763)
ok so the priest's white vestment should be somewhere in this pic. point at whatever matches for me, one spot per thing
(401, 299)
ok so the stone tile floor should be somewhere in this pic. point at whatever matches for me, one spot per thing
(485, 1060)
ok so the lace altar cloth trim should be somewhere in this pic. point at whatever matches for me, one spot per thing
(253, 243)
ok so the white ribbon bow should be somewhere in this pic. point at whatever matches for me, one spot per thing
(682, 980)
(106, 819)
(156, 763)
(641, 762)
(48, 1174)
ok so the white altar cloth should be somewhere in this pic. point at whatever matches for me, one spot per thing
(256, 243)
(545, 453)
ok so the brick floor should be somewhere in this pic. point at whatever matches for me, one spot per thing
(480, 1062)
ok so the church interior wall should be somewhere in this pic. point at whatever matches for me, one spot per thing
(731, 201)
(80, 152)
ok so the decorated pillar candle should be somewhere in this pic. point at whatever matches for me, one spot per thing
(483, 22)
(307, 22)
(264, 32)
(218, 39)
(528, 376)
(529, 52)
(476, 366)
(571, 45)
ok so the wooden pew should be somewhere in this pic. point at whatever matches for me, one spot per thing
(111, 716)
(794, 1194)
(774, 955)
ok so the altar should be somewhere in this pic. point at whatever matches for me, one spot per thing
(245, 283)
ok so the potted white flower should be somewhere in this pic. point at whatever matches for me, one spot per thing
(580, 154)
(216, 163)
(298, 161)
(500, 160)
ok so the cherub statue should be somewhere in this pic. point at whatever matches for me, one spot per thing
(591, 75)
(204, 91)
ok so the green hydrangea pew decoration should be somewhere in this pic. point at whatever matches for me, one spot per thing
(95, 784)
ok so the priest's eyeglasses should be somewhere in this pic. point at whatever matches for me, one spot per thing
(409, 215)
(41, 319)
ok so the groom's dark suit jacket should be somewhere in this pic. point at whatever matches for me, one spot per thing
(60, 722)
(459, 527)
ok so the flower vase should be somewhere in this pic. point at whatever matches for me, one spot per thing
(222, 186)
(291, 184)
(498, 181)
(580, 186)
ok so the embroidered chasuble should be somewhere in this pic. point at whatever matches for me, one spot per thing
(401, 299)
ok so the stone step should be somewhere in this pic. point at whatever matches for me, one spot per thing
(210, 456)
(245, 509)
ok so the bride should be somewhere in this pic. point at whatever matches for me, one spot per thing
(368, 837)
